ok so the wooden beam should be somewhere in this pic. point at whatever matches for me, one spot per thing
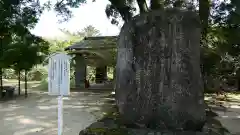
(100, 37)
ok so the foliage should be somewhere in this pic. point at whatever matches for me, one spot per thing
(19, 49)
(220, 23)
(38, 73)
(88, 31)
(16, 18)
(58, 46)
(9, 74)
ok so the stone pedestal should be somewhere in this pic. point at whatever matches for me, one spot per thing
(158, 82)
(101, 74)
(80, 71)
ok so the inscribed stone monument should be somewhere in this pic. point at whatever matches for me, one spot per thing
(158, 82)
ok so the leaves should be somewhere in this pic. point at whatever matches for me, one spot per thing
(19, 48)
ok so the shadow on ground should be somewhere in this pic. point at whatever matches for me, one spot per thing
(37, 114)
(228, 108)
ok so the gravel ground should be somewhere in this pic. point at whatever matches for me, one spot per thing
(37, 114)
(228, 111)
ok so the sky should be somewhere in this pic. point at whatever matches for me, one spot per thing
(92, 13)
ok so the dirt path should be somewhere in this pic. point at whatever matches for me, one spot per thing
(37, 115)
(228, 111)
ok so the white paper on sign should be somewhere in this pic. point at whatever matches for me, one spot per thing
(59, 74)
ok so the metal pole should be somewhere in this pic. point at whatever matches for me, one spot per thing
(60, 115)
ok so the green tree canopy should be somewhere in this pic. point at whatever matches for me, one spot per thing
(18, 47)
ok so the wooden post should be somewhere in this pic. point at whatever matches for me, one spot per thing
(19, 82)
(25, 78)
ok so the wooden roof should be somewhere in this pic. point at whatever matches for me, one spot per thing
(94, 43)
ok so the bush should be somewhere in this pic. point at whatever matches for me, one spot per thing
(9, 74)
(38, 73)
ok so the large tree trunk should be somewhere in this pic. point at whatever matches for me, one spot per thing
(158, 82)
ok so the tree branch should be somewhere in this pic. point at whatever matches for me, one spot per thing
(204, 11)
(122, 8)
(142, 6)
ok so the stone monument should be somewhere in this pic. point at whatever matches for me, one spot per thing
(158, 81)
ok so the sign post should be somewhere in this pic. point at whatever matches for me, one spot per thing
(59, 82)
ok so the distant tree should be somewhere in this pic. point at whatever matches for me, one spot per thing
(15, 20)
(27, 51)
(88, 31)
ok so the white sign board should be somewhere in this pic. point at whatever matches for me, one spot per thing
(59, 82)
(59, 74)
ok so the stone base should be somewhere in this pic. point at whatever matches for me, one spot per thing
(111, 126)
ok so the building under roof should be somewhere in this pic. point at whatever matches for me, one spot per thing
(96, 50)
(99, 52)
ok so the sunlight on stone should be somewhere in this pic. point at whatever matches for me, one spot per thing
(27, 131)
(113, 92)
(238, 116)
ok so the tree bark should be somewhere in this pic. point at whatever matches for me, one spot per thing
(142, 6)
(158, 82)
(19, 82)
(1, 66)
(123, 9)
(204, 11)
(1, 82)
(25, 79)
